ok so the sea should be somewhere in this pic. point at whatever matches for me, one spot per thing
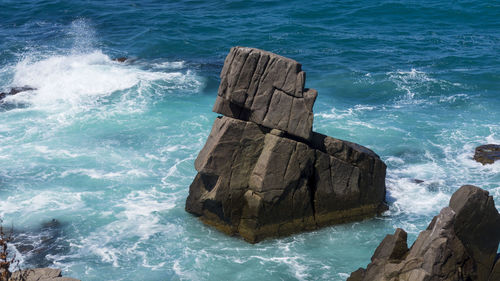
(96, 162)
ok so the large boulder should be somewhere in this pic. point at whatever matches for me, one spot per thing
(259, 179)
(459, 244)
(257, 183)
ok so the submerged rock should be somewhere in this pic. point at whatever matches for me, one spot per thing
(417, 181)
(40, 274)
(266, 174)
(15, 90)
(120, 59)
(487, 154)
(37, 244)
(459, 244)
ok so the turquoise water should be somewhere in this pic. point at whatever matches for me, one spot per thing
(107, 148)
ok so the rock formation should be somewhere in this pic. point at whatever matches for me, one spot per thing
(40, 274)
(459, 244)
(263, 172)
(487, 154)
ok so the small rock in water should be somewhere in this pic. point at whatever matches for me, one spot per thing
(15, 90)
(417, 181)
(487, 154)
(120, 59)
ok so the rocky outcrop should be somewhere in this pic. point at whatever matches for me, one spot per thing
(487, 154)
(263, 172)
(459, 244)
(40, 274)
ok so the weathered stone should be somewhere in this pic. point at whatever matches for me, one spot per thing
(393, 248)
(459, 244)
(267, 89)
(487, 154)
(268, 174)
(39, 274)
(258, 183)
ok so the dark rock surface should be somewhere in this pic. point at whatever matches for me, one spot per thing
(266, 89)
(487, 154)
(459, 244)
(39, 274)
(495, 273)
(258, 178)
(15, 90)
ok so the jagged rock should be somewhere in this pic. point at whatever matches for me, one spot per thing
(15, 90)
(263, 172)
(39, 274)
(259, 183)
(266, 89)
(487, 154)
(459, 244)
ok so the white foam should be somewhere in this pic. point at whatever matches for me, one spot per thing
(169, 65)
(137, 218)
(74, 79)
(183, 274)
(298, 268)
(417, 85)
(58, 153)
(33, 205)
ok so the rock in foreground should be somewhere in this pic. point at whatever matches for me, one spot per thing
(268, 175)
(459, 244)
(40, 274)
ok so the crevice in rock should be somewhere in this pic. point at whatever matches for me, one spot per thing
(246, 55)
(249, 81)
(209, 181)
(269, 103)
(269, 64)
(260, 78)
(312, 186)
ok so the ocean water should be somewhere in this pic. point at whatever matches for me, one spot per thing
(95, 164)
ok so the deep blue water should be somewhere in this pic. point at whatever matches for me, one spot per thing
(107, 148)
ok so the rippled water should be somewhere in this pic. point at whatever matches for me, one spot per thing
(96, 162)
